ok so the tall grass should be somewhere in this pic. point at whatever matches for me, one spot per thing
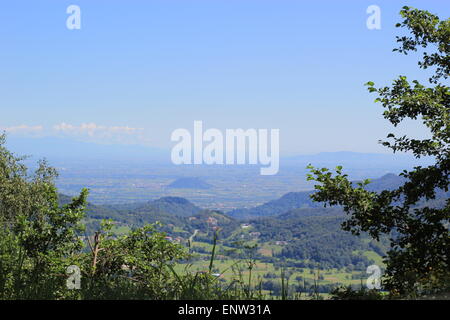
(205, 285)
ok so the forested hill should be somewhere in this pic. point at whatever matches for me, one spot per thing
(289, 201)
(167, 210)
(295, 200)
(317, 239)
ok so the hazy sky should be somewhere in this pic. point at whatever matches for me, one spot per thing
(137, 70)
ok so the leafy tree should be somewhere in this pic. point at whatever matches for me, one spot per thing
(136, 265)
(419, 257)
(38, 238)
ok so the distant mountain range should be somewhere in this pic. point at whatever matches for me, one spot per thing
(172, 209)
(68, 149)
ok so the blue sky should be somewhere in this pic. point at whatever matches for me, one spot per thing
(137, 70)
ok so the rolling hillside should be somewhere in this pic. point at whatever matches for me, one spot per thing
(296, 200)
